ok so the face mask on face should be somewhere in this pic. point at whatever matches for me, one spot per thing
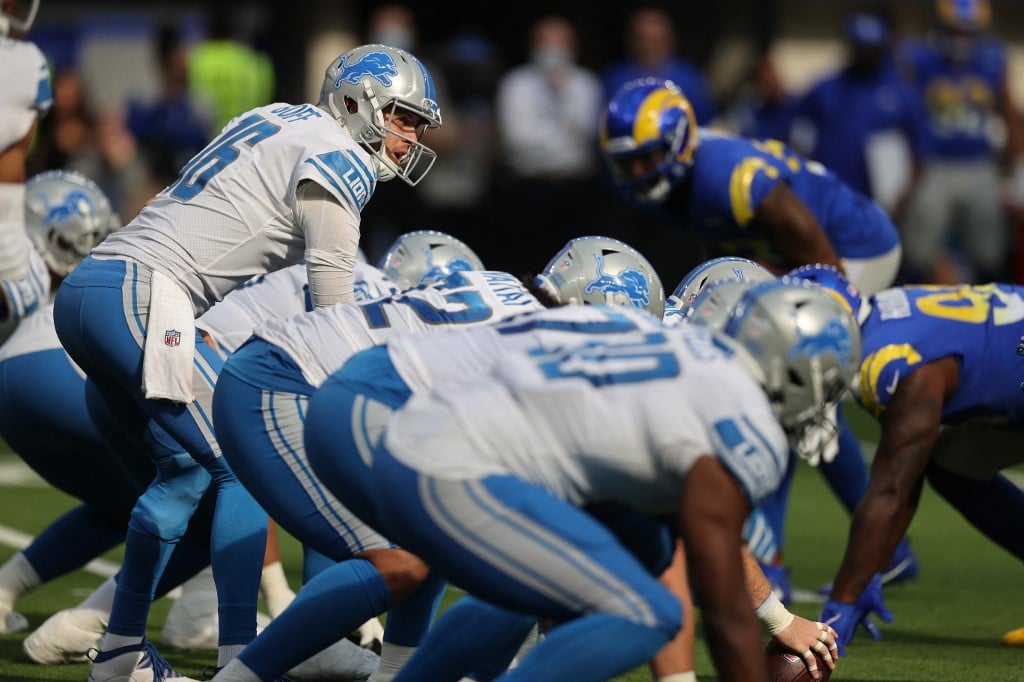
(551, 58)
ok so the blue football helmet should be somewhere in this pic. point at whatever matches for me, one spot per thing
(365, 86)
(724, 268)
(648, 138)
(603, 271)
(425, 257)
(804, 347)
(17, 16)
(835, 283)
(66, 214)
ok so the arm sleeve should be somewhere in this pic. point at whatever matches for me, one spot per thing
(331, 229)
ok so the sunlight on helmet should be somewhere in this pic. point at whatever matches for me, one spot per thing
(424, 257)
(713, 305)
(733, 268)
(830, 278)
(66, 214)
(804, 348)
(648, 138)
(602, 270)
(367, 86)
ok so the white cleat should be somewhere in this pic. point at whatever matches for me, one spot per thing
(192, 623)
(369, 635)
(66, 636)
(343, 660)
(11, 621)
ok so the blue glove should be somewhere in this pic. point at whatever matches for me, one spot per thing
(844, 618)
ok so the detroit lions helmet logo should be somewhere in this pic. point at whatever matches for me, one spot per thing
(435, 273)
(630, 283)
(377, 65)
(74, 203)
(833, 339)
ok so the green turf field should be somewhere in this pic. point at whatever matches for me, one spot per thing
(948, 622)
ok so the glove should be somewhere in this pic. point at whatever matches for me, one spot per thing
(844, 618)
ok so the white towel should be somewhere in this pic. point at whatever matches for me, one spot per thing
(170, 342)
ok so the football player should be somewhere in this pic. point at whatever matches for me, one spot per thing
(25, 95)
(756, 199)
(281, 182)
(941, 371)
(548, 430)
(260, 405)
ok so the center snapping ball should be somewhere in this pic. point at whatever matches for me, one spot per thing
(786, 666)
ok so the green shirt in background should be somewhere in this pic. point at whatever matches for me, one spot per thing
(229, 78)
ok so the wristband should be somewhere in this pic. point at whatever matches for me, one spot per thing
(774, 615)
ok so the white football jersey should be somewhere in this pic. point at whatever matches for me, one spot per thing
(25, 89)
(426, 361)
(275, 296)
(601, 422)
(322, 340)
(223, 222)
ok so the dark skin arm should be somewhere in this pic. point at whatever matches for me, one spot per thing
(910, 427)
(793, 230)
(712, 509)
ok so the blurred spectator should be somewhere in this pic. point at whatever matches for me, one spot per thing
(456, 192)
(167, 125)
(962, 75)
(762, 107)
(547, 114)
(227, 75)
(651, 46)
(67, 131)
(113, 161)
(864, 122)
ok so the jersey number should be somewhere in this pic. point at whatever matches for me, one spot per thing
(219, 154)
(605, 365)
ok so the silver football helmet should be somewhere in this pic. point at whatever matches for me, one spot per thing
(803, 346)
(724, 268)
(603, 270)
(425, 257)
(713, 305)
(17, 16)
(364, 87)
(67, 214)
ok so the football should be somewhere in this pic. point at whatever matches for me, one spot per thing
(786, 666)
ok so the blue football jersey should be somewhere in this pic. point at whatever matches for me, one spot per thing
(979, 325)
(730, 178)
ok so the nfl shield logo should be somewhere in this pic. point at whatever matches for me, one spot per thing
(172, 338)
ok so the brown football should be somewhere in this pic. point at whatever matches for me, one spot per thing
(786, 666)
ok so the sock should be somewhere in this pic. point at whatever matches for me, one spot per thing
(102, 598)
(409, 619)
(274, 586)
(111, 641)
(236, 671)
(679, 677)
(74, 539)
(227, 653)
(17, 577)
(847, 474)
(592, 647)
(326, 609)
(237, 546)
(472, 636)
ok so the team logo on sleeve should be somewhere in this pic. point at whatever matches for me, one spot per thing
(377, 65)
(629, 283)
(172, 338)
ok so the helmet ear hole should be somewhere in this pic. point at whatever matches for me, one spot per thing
(351, 105)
